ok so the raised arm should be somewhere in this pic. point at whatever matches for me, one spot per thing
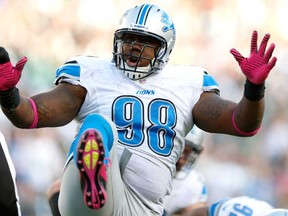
(56, 107)
(214, 114)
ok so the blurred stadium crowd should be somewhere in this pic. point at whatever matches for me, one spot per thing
(49, 32)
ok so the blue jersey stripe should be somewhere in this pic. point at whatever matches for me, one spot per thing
(204, 191)
(215, 207)
(209, 81)
(69, 69)
(144, 13)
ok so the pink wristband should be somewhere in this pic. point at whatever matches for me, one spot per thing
(35, 120)
(240, 131)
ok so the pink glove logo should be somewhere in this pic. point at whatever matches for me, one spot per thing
(9, 75)
(257, 66)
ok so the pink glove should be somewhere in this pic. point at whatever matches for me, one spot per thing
(9, 75)
(257, 66)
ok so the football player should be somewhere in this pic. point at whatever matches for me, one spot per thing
(236, 206)
(189, 190)
(133, 113)
(188, 185)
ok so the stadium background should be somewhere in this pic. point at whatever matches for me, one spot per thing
(49, 32)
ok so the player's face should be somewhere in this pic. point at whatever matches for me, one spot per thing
(139, 50)
(184, 157)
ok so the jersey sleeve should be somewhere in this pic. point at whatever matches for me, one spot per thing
(215, 207)
(210, 84)
(198, 77)
(238, 206)
(69, 72)
(196, 187)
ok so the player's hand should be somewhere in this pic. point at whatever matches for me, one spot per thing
(9, 75)
(257, 66)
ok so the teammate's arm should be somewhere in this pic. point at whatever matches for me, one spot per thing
(197, 209)
(201, 211)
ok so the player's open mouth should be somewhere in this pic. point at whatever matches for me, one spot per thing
(132, 61)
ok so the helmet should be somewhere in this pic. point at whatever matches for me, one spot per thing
(150, 21)
(277, 212)
(194, 140)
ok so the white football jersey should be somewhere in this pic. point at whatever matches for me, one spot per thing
(277, 212)
(152, 116)
(188, 188)
(240, 206)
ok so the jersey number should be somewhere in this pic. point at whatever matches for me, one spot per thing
(128, 114)
(241, 209)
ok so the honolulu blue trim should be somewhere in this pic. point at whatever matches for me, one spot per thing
(204, 191)
(70, 69)
(143, 14)
(209, 81)
(212, 209)
(216, 206)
